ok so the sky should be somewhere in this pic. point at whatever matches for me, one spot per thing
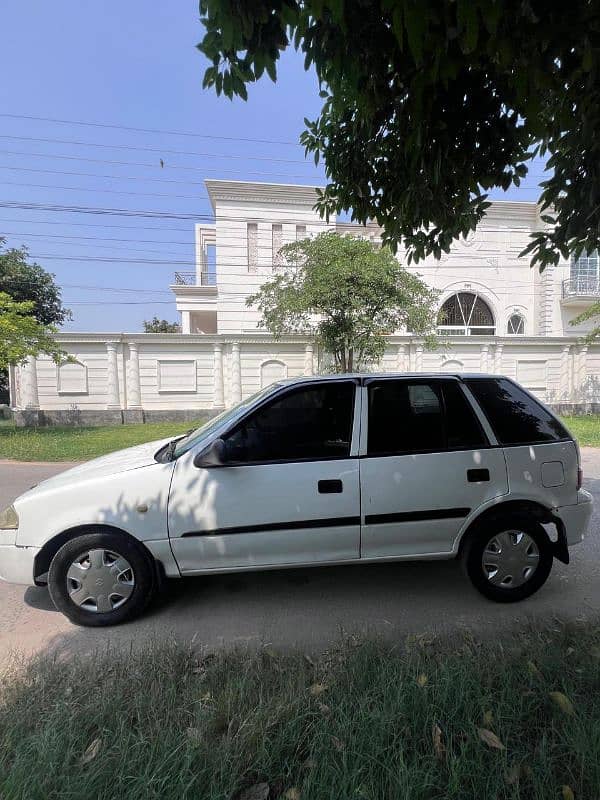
(131, 65)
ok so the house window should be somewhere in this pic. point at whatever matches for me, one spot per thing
(516, 325)
(466, 314)
(585, 272)
(277, 244)
(252, 234)
(300, 232)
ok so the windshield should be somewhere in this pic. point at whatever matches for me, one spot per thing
(190, 439)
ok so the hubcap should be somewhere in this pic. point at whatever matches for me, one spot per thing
(100, 581)
(510, 559)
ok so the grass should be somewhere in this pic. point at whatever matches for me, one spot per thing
(367, 721)
(585, 428)
(80, 444)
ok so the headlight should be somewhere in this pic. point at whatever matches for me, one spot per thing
(9, 519)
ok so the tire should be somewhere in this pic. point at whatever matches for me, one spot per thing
(101, 578)
(500, 573)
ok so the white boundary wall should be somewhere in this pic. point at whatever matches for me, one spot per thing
(135, 377)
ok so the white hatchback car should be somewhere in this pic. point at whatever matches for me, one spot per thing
(327, 470)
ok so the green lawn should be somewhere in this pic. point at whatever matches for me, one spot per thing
(79, 444)
(586, 429)
(422, 721)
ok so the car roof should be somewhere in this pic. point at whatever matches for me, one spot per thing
(377, 375)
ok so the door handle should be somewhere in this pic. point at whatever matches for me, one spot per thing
(478, 475)
(330, 487)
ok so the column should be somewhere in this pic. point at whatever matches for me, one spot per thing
(186, 326)
(112, 387)
(498, 358)
(236, 373)
(483, 358)
(418, 357)
(581, 377)
(219, 394)
(30, 384)
(308, 359)
(134, 394)
(401, 364)
(564, 389)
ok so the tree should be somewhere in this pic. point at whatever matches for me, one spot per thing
(348, 293)
(156, 325)
(22, 335)
(26, 282)
(428, 105)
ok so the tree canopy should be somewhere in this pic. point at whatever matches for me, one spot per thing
(26, 282)
(428, 105)
(348, 293)
(22, 335)
(156, 325)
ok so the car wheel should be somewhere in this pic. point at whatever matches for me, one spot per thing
(509, 558)
(101, 578)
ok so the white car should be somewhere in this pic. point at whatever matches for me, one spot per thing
(328, 470)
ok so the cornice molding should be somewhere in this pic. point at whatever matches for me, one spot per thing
(252, 191)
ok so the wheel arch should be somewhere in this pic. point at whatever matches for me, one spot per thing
(531, 508)
(42, 561)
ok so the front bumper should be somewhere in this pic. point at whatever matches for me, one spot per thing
(576, 518)
(16, 563)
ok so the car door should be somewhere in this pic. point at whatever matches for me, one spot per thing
(426, 463)
(288, 492)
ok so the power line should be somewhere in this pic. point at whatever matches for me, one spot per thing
(147, 130)
(44, 236)
(160, 150)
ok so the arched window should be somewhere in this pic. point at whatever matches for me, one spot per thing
(466, 314)
(516, 325)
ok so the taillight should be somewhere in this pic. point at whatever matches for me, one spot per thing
(579, 478)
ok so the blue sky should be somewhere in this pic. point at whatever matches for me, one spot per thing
(130, 64)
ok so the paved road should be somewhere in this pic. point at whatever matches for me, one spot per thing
(308, 608)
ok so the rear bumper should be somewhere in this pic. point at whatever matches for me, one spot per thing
(576, 518)
(16, 563)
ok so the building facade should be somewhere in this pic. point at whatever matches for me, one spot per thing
(496, 314)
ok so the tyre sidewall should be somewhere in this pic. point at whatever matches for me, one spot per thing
(479, 541)
(119, 543)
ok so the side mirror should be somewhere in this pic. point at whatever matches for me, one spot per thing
(213, 456)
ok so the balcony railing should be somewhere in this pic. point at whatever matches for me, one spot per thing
(191, 279)
(581, 287)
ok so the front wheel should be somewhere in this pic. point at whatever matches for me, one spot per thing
(101, 578)
(509, 558)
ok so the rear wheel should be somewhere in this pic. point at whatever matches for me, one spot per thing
(509, 558)
(101, 579)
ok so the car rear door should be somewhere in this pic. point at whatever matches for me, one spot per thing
(289, 492)
(426, 464)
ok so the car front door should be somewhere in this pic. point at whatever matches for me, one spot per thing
(288, 492)
(426, 463)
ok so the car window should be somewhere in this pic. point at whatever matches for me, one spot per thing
(514, 415)
(420, 416)
(312, 422)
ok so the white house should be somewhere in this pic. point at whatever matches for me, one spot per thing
(496, 314)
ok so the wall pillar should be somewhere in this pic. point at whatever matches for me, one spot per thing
(186, 325)
(309, 360)
(581, 372)
(418, 357)
(564, 386)
(112, 384)
(483, 358)
(219, 394)
(134, 394)
(498, 358)
(30, 397)
(236, 373)
(401, 364)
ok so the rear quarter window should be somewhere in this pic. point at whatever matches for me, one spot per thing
(515, 416)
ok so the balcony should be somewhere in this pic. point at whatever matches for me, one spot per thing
(191, 279)
(580, 291)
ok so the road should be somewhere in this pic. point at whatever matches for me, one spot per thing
(306, 608)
